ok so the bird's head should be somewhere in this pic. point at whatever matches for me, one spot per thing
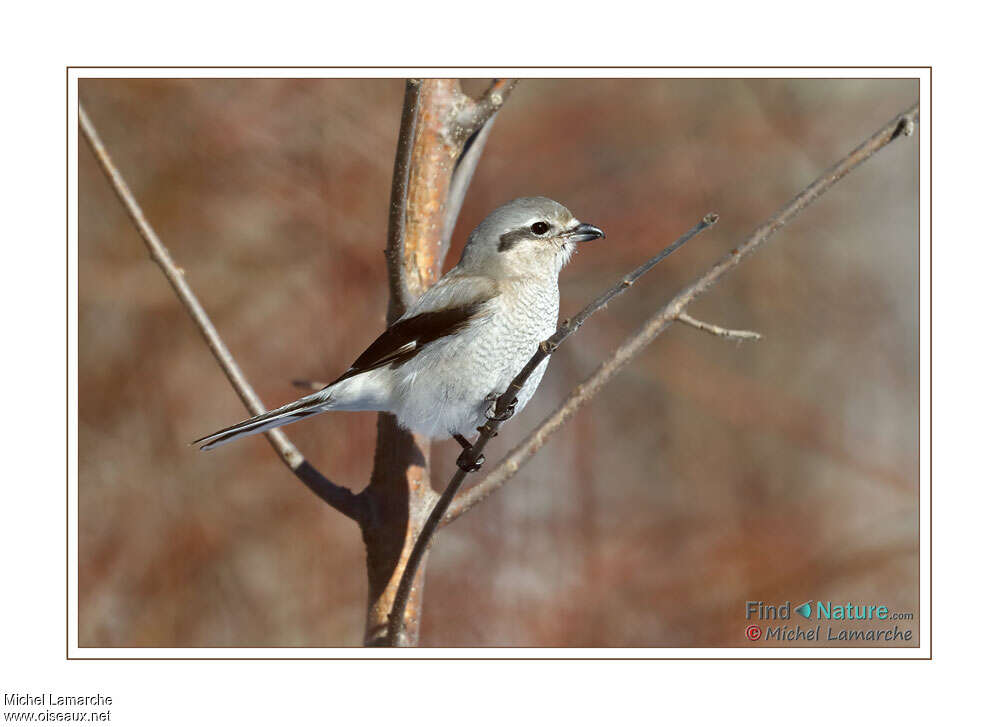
(526, 237)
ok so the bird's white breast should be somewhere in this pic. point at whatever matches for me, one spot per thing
(445, 389)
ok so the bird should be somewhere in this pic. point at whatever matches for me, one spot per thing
(442, 365)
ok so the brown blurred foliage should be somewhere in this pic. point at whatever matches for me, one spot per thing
(709, 473)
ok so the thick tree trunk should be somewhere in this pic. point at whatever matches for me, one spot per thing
(399, 499)
(399, 496)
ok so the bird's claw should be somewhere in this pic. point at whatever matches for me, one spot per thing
(465, 462)
(508, 411)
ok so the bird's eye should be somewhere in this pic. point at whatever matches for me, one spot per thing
(539, 228)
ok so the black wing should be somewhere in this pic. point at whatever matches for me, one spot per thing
(406, 338)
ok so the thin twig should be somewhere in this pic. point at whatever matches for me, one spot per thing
(901, 125)
(335, 495)
(506, 402)
(718, 330)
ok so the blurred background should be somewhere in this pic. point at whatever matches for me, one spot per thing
(708, 473)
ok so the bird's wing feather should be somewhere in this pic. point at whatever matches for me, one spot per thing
(423, 324)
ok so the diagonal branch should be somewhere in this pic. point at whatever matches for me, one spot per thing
(901, 125)
(505, 403)
(334, 495)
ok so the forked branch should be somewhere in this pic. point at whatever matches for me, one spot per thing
(475, 114)
(436, 157)
(441, 138)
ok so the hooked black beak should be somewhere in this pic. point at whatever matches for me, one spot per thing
(584, 233)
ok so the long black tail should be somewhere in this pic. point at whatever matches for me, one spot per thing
(302, 409)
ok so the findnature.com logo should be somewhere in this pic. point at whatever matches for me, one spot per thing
(825, 611)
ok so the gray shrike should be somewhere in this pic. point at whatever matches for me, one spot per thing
(440, 367)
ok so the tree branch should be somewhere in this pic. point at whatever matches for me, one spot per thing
(718, 330)
(474, 115)
(464, 169)
(901, 125)
(436, 157)
(473, 123)
(402, 292)
(506, 403)
(441, 138)
(338, 497)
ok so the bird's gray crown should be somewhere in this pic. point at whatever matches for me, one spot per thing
(528, 235)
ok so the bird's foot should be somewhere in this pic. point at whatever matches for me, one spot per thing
(465, 460)
(506, 413)
(467, 464)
